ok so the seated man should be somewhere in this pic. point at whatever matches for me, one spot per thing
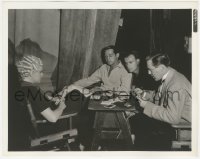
(171, 104)
(140, 78)
(112, 75)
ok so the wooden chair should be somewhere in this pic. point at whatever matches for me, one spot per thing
(55, 141)
(182, 139)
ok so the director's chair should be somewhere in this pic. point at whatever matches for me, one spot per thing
(55, 141)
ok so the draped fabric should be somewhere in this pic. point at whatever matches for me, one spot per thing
(68, 41)
(83, 34)
(169, 27)
(36, 32)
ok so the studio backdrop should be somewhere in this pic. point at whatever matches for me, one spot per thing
(69, 42)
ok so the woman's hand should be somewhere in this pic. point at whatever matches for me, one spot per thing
(57, 100)
(62, 105)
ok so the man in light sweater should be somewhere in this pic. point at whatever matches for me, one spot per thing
(113, 77)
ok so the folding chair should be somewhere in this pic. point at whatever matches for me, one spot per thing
(182, 139)
(55, 141)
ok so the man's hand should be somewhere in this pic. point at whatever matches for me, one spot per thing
(66, 90)
(62, 93)
(96, 89)
(138, 91)
(142, 102)
(141, 93)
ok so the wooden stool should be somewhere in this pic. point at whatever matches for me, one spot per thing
(183, 136)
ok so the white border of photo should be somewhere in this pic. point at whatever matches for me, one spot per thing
(52, 4)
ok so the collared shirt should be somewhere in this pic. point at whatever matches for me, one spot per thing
(161, 86)
(118, 79)
(165, 76)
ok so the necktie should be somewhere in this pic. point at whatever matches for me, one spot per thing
(160, 91)
(160, 88)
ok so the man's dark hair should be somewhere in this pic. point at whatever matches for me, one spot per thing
(109, 47)
(128, 53)
(158, 59)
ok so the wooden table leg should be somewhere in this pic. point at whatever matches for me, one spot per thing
(125, 128)
(99, 121)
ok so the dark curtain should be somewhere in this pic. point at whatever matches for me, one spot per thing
(146, 30)
(168, 30)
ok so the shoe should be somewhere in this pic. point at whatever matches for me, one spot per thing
(133, 138)
(99, 148)
(81, 147)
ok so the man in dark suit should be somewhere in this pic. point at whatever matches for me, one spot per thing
(140, 77)
(170, 104)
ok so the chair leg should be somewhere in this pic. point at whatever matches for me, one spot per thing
(66, 145)
(70, 123)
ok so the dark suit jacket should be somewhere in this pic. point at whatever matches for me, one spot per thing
(144, 81)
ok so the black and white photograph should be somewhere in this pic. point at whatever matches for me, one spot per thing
(100, 79)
